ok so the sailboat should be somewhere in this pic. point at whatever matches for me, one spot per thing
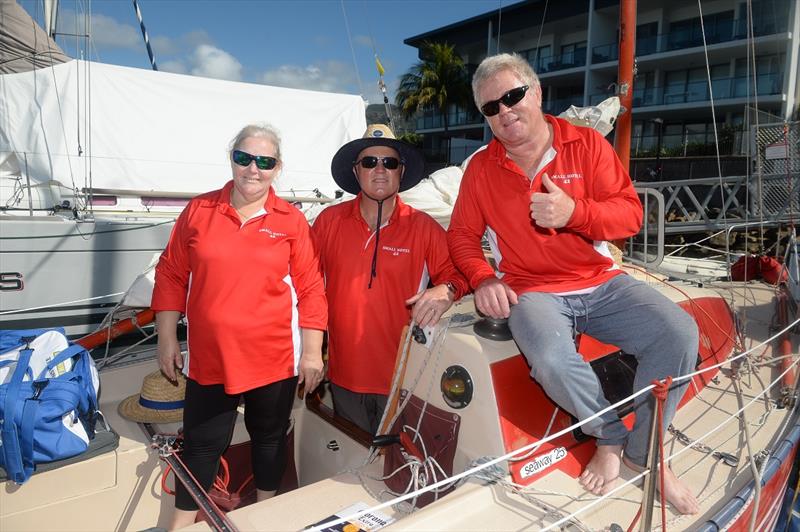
(97, 160)
(474, 444)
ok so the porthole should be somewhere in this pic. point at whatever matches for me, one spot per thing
(456, 386)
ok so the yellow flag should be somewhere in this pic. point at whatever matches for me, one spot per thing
(379, 66)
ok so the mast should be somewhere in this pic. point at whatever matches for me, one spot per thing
(627, 46)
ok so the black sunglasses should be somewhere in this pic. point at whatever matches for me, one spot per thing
(370, 161)
(263, 162)
(509, 99)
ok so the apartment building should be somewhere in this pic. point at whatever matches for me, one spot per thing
(573, 46)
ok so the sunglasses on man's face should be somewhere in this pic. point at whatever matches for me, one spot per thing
(263, 162)
(509, 99)
(370, 161)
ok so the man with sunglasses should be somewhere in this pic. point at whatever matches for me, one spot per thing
(378, 256)
(549, 195)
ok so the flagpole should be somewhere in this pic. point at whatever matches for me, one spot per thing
(382, 87)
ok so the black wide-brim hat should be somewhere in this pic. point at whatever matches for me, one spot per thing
(376, 135)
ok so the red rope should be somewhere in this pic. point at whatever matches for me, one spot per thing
(221, 481)
(635, 520)
(164, 476)
(660, 392)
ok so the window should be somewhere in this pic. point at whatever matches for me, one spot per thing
(688, 33)
(573, 54)
(768, 72)
(538, 58)
(697, 86)
(721, 81)
(643, 89)
(768, 17)
(646, 38)
(675, 87)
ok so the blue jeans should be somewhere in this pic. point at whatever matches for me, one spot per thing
(626, 313)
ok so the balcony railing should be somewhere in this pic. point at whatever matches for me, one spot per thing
(687, 144)
(555, 107)
(697, 91)
(553, 63)
(721, 31)
(433, 119)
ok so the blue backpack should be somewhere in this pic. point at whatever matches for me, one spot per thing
(48, 399)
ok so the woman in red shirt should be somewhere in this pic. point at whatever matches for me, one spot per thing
(240, 265)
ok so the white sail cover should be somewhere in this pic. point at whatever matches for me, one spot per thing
(160, 131)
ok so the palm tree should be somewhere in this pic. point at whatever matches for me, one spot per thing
(438, 80)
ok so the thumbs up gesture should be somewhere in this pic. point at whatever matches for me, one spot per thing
(552, 208)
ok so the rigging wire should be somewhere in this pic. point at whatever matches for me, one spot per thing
(352, 50)
(88, 106)
(61, 119)
(381, 71)
(713, 119)
(499, 23)
(541, 27)
(751, 53)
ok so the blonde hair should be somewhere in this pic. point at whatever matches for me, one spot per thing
(497, 63)
(261, 130)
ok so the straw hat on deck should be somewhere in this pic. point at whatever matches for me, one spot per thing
(160, 401)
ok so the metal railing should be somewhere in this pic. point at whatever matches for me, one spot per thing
(432, 119)
(716, 32)
(687, 144)
(713, 203)
(555, 62)
(647, 247)
(697, 91)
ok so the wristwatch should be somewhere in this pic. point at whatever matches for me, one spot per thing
(452, 288)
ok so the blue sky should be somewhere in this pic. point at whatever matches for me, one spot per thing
(301, 43)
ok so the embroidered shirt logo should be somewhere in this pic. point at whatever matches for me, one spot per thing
(271, 233)
(396, 251)
(566, 178)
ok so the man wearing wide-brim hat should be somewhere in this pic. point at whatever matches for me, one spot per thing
(379, 257)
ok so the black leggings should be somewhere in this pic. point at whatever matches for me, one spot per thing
(209, 416)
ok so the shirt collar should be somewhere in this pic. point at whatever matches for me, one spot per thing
(272, 203)
(400, 208)
(563, 133)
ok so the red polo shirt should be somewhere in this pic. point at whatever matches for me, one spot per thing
(495, 197)
(365, 324)
(246, 290)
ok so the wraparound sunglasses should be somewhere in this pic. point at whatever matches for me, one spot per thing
(263, 162)
(509, 99)
(370, 161)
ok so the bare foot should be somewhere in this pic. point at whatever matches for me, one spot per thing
(675, 492)
(602, 469)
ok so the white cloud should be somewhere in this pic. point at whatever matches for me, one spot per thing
(106, 32)
(363, 40)
(209, 61)
(196, 38)
(329, 76)
(173, 66)
(163, 46)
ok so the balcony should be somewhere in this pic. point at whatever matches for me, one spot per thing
(718, 32)
(432, 119)
(688, 144)
(560, 105)
(697, 91)
(553, 63)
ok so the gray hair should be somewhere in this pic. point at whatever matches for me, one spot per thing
(493, 64)
(261, 130)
